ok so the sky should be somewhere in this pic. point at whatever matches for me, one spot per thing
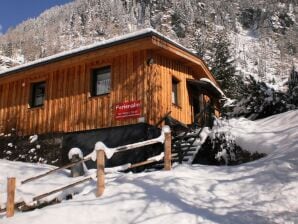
(13, 12)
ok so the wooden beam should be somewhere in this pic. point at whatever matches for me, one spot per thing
(11, 187)
(162, 119)
(54, 170)
(100, 154)
(136, 145)
(168, 151)
(61, 189)
(141, 164)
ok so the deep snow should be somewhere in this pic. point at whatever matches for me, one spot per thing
(263, 191)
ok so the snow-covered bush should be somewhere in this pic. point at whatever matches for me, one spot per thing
(220, 148)
(227, 152)
(260, 101)
(225, 146)
(37, 149)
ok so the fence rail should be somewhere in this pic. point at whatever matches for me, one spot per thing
(101, 153)
(55, 170)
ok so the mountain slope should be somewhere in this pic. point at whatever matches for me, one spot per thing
(6, 63)
(263, 33)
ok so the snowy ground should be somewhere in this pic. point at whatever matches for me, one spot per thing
(263, 191)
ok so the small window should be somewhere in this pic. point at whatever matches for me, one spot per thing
(37, 94)
(175, 92)
(101, 82)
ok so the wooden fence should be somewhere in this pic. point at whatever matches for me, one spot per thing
(101, 154)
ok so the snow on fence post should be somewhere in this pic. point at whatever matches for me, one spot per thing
(100, 161)
(167, 148)
(11, 187)
(75, 155)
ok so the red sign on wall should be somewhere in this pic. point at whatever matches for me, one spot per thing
(131, 109)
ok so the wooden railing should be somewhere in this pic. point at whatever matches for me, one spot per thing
(101, 153)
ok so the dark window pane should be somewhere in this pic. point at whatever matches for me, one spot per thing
(101, 81)
(38, 94)
(175, 90)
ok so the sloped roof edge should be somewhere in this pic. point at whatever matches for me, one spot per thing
(96, 46)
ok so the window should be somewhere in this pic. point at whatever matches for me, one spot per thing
(101, 82)
(37, 94)
(175, 92)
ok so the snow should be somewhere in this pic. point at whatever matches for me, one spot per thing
(216, 87)
(157, 158)
(101, 146)
(6, 62)
(166, 129)
(117, 168)
(33, 138)
(75, 151)
(260, 57)
(267, 135)
(263, 191)
(205, 132)
(229, 102)
(32, 150)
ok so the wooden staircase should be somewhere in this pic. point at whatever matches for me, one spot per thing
(186, 145)
(187, 139)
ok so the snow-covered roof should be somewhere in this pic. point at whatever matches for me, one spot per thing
(98, 45)
(207, 85)
(216, 87)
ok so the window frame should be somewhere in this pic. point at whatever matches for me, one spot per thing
(33, 88)
(94, 78)
(175, 82)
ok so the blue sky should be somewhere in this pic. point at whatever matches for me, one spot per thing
(13, 12)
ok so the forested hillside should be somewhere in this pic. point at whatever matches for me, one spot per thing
(262, 34)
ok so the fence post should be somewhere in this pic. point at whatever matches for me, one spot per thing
(100, 161)
(11, 186)
(78, 169)
(168, 149)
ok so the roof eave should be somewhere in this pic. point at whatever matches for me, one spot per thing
(73, 54)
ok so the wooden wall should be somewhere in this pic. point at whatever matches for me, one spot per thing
(68, 106)
(168, 68)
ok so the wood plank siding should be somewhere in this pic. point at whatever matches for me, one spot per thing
(166, 70)
(69, 105)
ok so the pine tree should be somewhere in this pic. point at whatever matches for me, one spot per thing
(222, 66)
(293, 87)
(199, 44)
(260, 101)
(293, 79)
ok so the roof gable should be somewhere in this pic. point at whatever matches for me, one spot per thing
(157, 38)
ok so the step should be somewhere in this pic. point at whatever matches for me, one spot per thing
(193, 148)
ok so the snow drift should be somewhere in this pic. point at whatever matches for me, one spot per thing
(263, 191)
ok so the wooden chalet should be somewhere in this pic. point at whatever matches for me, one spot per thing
(131, 79)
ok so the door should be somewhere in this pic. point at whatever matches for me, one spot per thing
(197, 102)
